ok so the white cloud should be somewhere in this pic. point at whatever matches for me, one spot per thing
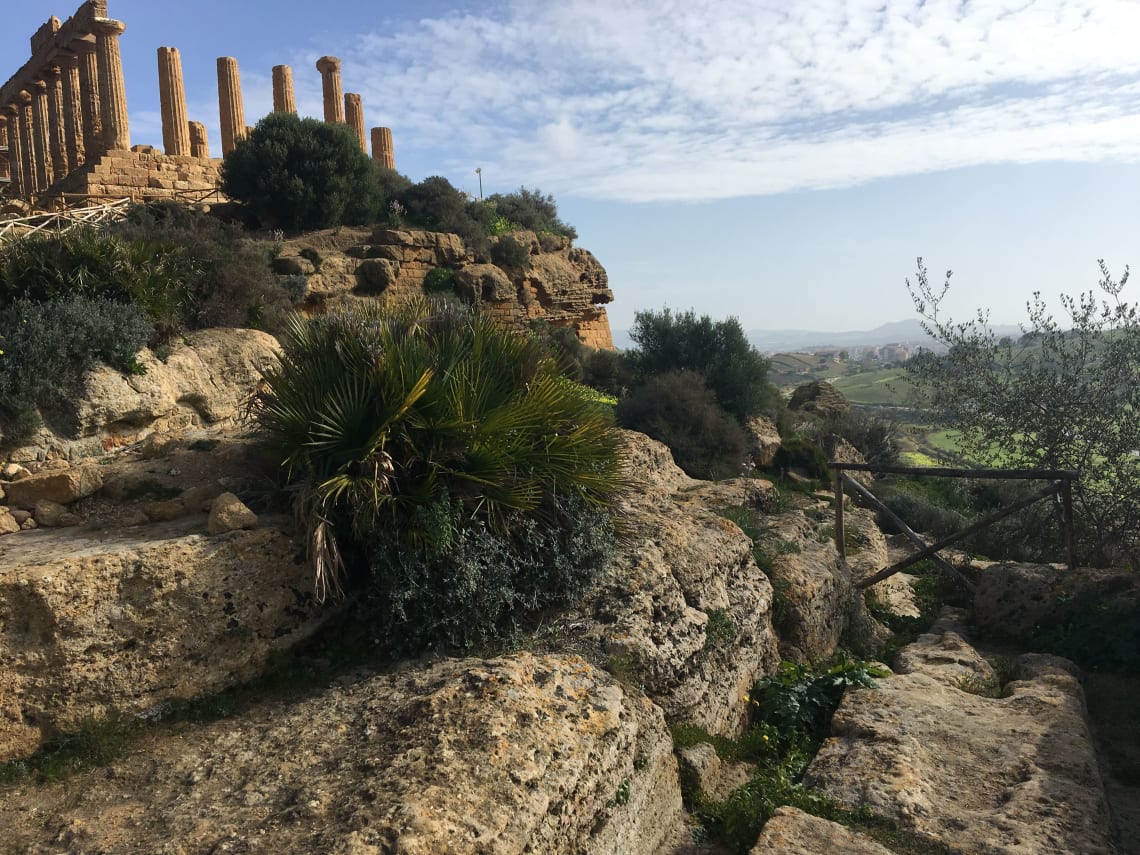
(702, 99)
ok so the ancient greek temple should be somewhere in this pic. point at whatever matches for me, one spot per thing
(65, 134)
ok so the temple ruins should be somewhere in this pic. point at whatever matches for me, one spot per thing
(65, 131)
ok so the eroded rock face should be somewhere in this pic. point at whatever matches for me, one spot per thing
(763, 441)
(205, 381)
(1015, 774)
(1015, 600)
(97, 624)
(520, 754)
(565, 286)
(683, 566)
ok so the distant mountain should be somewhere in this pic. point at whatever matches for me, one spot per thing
(895, 332)
(778, 341)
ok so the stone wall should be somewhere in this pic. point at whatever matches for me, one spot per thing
(142, 174)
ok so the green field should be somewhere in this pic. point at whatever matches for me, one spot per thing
(882, 386)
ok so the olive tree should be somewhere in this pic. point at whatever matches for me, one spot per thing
(1065, 395)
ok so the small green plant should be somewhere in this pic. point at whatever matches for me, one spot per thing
(720, 631)
(621, 797)
(976, 684)
(510, 254)
(312, 256)
(439, 280)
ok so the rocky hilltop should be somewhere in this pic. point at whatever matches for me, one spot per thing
(559, 283)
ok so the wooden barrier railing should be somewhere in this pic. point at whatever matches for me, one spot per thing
(1062, 486)
(58, 222)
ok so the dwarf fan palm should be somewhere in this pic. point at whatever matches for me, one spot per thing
(377, 415)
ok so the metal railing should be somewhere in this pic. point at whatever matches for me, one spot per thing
(1062, 486)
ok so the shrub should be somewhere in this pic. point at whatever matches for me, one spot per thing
(302, 174)
(678, 410)
(876, 438)
(439, 280)
(204, 272)
(510, 254)
(798, 452)
(1064, 396)
(733, 369)
(529, 209)
(47, 347)
(409, 431)
(473, 583)
(312, 256)
(436, 205)
(81, 262)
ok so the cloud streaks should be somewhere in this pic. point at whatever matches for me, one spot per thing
(708, 99)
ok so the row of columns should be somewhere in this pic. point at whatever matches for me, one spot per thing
(339, 106)
(72, 112)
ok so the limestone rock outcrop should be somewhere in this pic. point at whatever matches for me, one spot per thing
(564, 285)
(820, 398)
(205, 380)
(1011, 774)
(682, 563)
(520, 754)
(93, 624)
(793, 832)
(1015, 600)
(763, 441)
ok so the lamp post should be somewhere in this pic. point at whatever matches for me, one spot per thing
(479, 172)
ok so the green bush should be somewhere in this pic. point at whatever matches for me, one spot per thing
(733, 369)
(474, 582)
(678, 410)
(798, 452)
(436, 205)
(390, 422)
(299, 173)
(510, 254)
(529, 209)
(439, 280)
(47, 347)
(204, 273)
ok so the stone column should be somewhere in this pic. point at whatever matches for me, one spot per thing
(41, 147)
(15, 152)
(382, 147)
(89, 99)
(54, 78)
(27, 145)
(172, 97)
(354, 113)
(72, 111)
(284, 101)
(199, 141)
(112, 91)
(230, 104)
(329, 67)
(8, 167)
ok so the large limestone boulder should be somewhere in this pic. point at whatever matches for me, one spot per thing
(763, 441)
(564, 285)
(1016, 600)
(793, 832)
(681, 567)
(62, 486)
(1011, 774)
(206, 380)
(96, 624)
(521, 754)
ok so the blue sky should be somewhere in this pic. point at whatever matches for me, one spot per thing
(781, 162)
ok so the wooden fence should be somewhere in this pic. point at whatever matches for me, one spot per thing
(1062, 485)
